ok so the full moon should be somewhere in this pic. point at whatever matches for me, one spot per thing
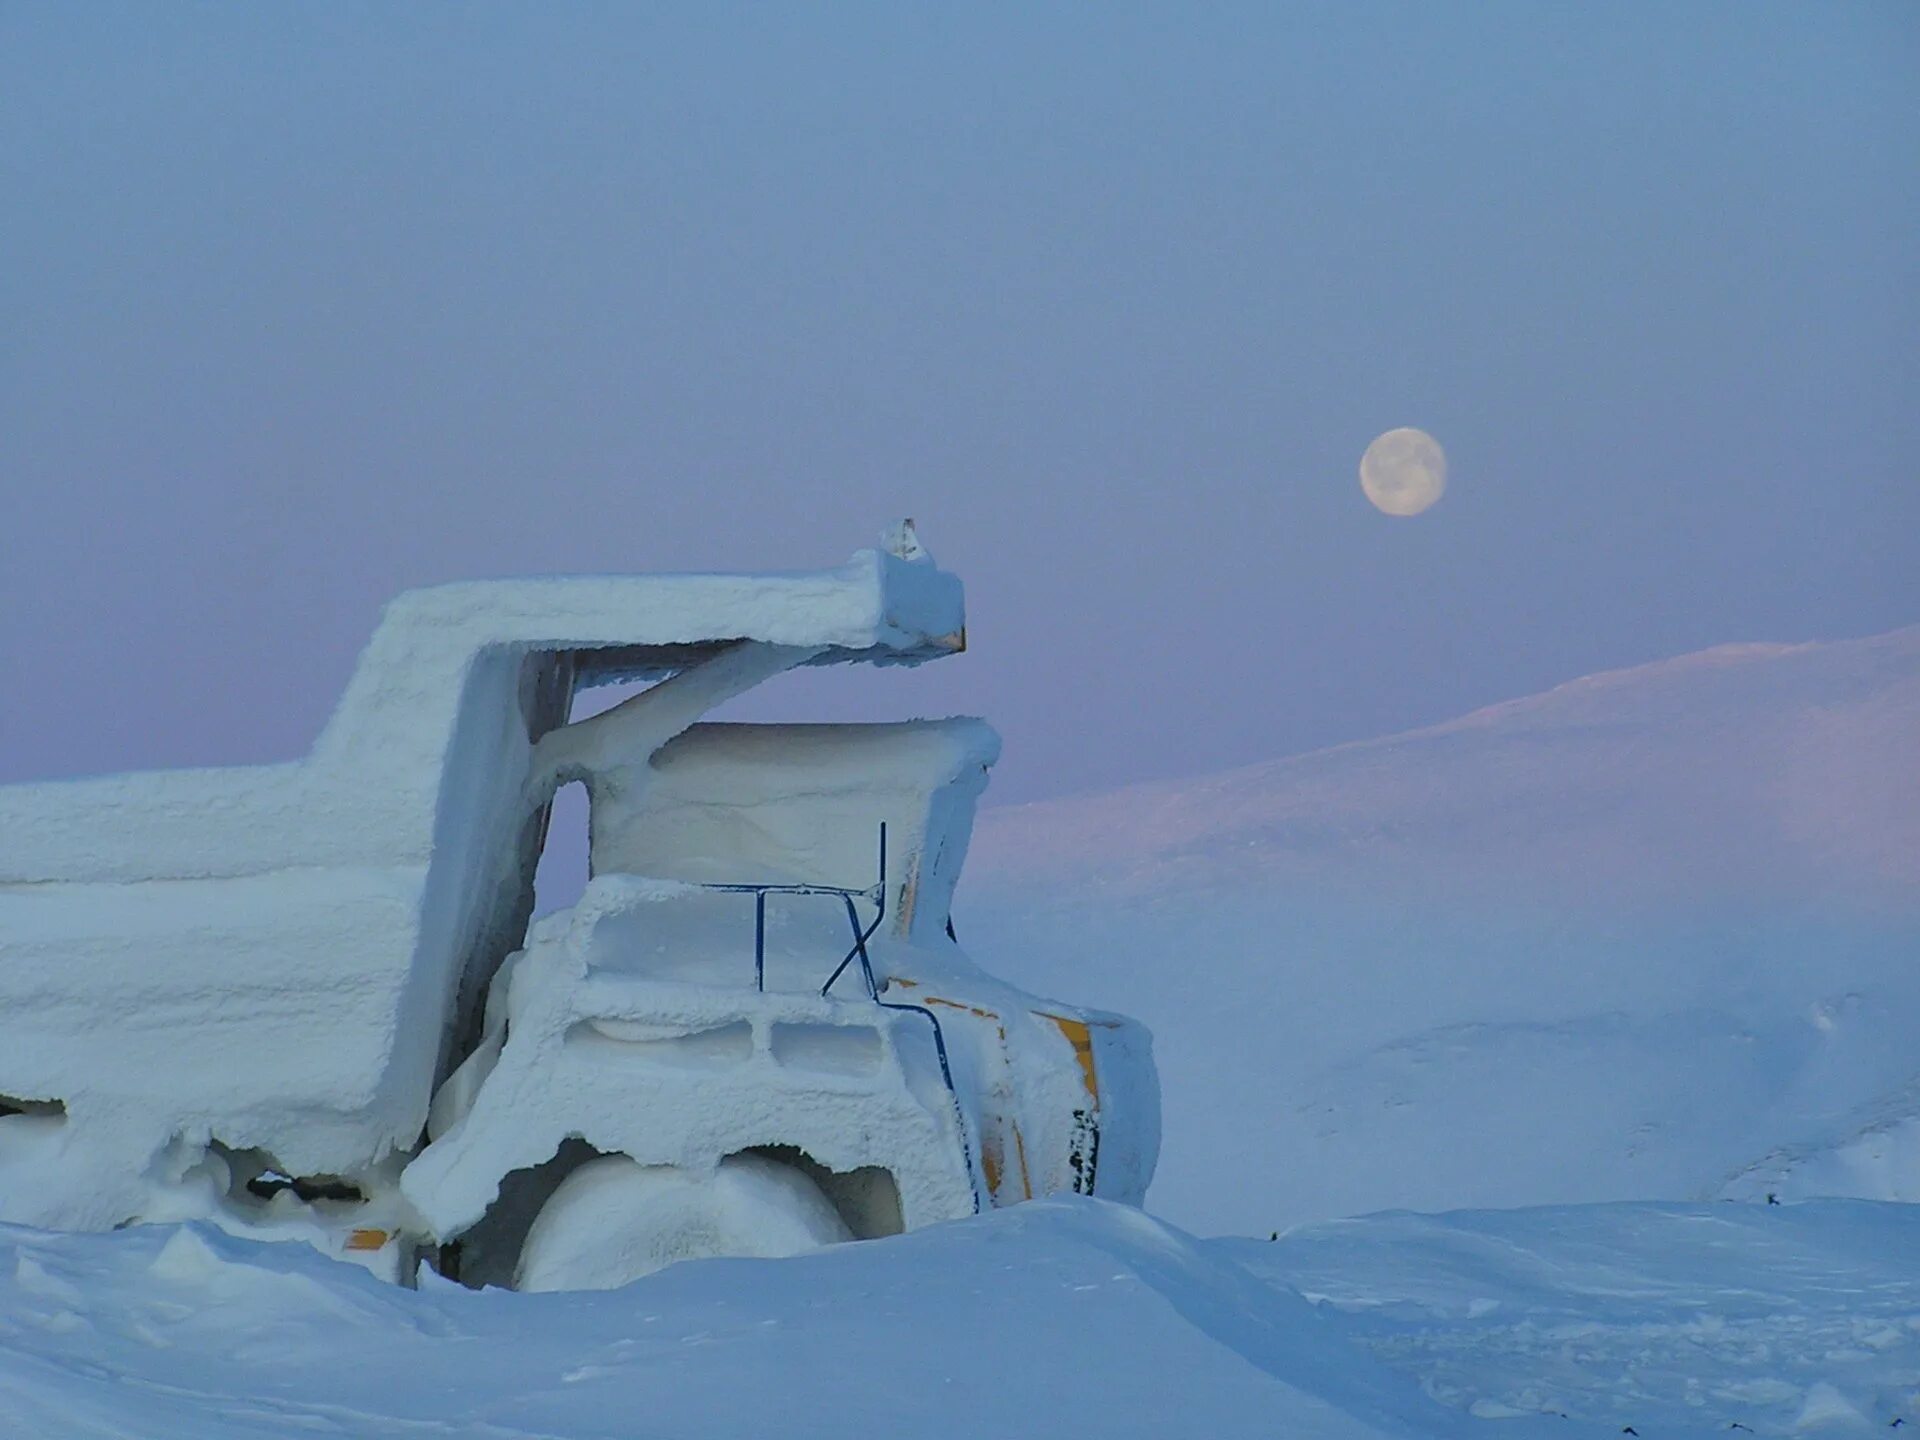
(1404, 471)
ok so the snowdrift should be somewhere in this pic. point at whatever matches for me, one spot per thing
(1068, 1317)
(1648, 935)
(1055, 1319)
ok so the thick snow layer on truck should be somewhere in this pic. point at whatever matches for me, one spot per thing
(285, 956)
(689, 1011)
(802, 803)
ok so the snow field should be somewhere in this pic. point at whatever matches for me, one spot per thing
(1649, 935)
(1061, 1317)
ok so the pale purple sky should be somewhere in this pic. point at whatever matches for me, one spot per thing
(303, 304)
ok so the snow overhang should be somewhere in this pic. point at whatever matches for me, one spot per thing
(878, 607)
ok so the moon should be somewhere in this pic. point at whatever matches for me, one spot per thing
(1404, 471)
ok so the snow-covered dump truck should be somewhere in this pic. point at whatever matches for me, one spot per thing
(308, 999)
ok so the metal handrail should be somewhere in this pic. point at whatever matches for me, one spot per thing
(876, 895)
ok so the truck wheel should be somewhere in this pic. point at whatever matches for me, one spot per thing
(614, 1220)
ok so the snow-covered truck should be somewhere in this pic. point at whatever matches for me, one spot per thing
(308, 1000)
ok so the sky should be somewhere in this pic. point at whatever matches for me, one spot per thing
(304, 304)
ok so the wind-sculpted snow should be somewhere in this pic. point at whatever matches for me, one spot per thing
(1648, 935)
(1067, 1317)
(1058, 1318)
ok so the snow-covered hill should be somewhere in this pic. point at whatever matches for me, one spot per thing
(1060, 1318)
(1652, 934)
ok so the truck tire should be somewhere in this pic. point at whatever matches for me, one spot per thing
(613, 1220)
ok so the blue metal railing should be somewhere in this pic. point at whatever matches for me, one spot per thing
(876, 895)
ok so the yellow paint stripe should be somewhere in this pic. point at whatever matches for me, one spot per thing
(961, 1005)
(990, 1162)
(1081, 1038)
(366, 1239)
